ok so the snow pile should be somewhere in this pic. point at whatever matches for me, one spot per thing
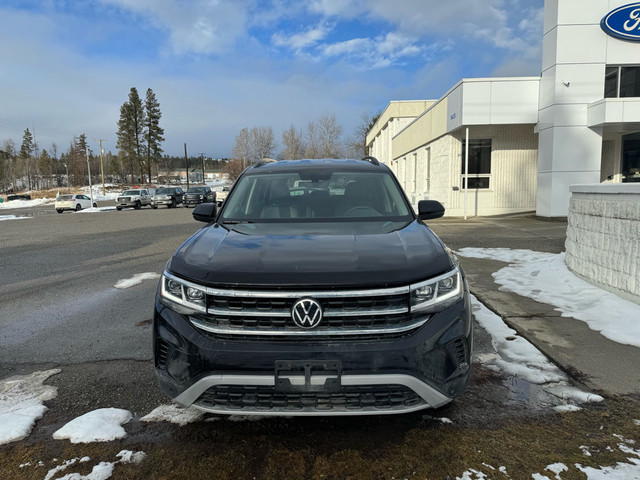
(545, 278)
(98, 209)
(173, 414)
(101, 471)
(21, 405)
(26, 203)
(518, 358)
(102, 425)
(136, 279)
(11, 217)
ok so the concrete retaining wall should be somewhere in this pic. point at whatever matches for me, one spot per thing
(603, 236)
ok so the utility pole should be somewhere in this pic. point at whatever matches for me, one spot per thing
(202, 158)
(186, 161)
(89, 172)
(100, 140)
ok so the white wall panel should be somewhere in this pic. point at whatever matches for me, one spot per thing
(549, 48)
(581, 44)
(514, 102)
(476, 103)
(586, 83)
(579, 12)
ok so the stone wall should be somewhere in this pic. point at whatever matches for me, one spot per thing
(603, 236)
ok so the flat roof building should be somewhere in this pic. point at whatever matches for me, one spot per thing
(528, 138)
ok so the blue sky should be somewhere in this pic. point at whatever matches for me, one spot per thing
(217, 66)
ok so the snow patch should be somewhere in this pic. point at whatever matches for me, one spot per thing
(545, 278)
(21, 403)
(12, 217)
(518, 358)
(174, 414)
(136, 280)
(102, 425)
(101, 471)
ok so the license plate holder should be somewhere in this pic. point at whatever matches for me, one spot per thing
(308, 376)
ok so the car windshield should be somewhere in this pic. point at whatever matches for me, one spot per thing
(321, 197)
(64, 198)
(197, 190)
(165, 191)
(131, 192)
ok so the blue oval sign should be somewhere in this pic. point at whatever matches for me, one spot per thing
(623, 22)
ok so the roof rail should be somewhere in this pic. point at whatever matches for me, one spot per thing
(263, 162)
(371, 159)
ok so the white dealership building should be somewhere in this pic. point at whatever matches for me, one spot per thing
(528, 138)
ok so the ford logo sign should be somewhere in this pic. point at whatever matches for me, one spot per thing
(623, 22)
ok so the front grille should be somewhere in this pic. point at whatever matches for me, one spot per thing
(350, 398)
(349, 313)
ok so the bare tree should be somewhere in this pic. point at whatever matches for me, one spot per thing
(234, 168)
(312, 142)
(262, 142)
(329, 136)
(242, 147)
(293, 144)
(357, 144)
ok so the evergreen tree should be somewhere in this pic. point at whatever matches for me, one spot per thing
(45, 165)
(153, 132)
(26, 150)
(131, 130)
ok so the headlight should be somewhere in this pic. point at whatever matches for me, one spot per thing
(183, 293)
(436, 292)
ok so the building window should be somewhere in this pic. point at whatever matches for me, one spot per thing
(479, 174)
(622, 82)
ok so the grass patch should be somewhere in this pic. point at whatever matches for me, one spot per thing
(356, 448)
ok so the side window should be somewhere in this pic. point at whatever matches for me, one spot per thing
(479, 174)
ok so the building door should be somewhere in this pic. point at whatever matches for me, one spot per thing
(631, 157)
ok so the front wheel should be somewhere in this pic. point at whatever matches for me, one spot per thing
(59, 210)
(154, 206)
(78, 207)
(95, 205)
(137, 206)
(173, 203)
(118, 208)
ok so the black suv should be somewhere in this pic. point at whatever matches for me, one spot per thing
(314, 291)
(197, 195)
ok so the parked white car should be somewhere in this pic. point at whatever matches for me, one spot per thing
(73, 202)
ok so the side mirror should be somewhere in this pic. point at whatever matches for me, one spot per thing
(205, 212)
(429, 209)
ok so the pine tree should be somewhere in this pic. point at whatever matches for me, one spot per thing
(26, 150)
(44, 165)
(130, 130)
(153, 132)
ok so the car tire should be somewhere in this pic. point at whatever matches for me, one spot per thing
(173, 203)
(137, 206)
(59, 210)
(118, 208)
(78, 207)
(154, 207)
(95, 205)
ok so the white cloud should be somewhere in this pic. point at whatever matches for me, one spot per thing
(202, 26)
(300, 41)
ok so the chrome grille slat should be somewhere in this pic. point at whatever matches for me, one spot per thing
(346, 313)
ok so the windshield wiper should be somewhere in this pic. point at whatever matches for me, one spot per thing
(235, 222)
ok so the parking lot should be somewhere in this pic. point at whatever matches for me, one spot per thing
(61, 307)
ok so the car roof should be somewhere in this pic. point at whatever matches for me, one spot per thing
(334, 164)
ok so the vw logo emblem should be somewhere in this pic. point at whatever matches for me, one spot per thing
(306, 313)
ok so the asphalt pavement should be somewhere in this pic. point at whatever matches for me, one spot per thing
(590, 359)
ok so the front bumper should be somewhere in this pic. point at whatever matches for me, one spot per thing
(425, 368)
(167, 201)
(193, 201)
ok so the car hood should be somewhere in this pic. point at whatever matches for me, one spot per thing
(216, 256)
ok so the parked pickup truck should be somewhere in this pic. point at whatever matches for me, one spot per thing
(136, 198)
(222, 195)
